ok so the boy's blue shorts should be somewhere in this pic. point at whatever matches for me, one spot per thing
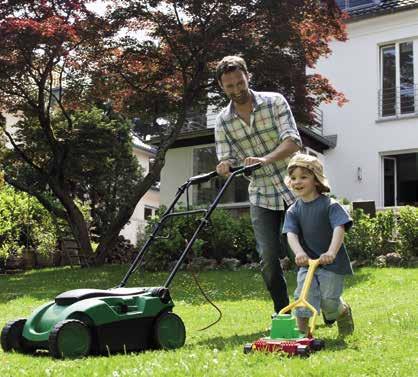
(324, 294)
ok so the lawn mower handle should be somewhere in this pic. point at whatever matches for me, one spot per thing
(169, 213)
(208, 176)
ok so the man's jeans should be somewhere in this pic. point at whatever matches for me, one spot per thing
(267, 225)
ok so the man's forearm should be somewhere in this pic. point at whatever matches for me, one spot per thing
(284, 150)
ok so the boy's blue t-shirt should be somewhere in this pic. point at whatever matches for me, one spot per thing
(314, 223)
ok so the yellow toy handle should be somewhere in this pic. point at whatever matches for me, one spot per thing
(302, 300)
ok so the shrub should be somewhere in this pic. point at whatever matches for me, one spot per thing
(24, 223)
(408, 231)
(225, 236)
(361, 241)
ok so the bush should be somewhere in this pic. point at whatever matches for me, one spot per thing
(225, 236)
(383, 234)
(408, 231)
(24, 224)
(229, 237)
(361, 241)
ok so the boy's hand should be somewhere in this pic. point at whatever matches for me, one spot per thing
(301, 259)
(327, 258)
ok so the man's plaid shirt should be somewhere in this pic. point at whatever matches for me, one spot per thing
(271, 122)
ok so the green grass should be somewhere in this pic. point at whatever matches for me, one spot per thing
(384, 303)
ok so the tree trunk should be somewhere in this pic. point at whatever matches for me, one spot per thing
(108, 240)
(77, 223)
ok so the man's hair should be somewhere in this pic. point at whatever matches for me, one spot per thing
(320, 187)
(230, 64)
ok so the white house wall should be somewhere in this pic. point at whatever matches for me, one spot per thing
(151, 199)
(177, 169)
(353, 68)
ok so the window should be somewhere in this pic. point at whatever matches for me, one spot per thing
(400, 179)
(349, 4)
(398, 93)
(309, 151)
(204, 161)
(148, 212)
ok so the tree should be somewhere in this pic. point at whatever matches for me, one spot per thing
(165, 74)
(170, 71)
(46, 51)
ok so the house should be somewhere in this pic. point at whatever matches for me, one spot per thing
(370, 145)
(376, 157)
(149, 203)
(194, 153)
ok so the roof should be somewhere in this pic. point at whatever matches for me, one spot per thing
(381, 8)
(139, 144)
(206, 136)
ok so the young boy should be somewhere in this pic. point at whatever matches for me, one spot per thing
(315, 226)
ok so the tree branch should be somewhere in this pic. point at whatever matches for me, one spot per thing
(56, 211)
(22, 154)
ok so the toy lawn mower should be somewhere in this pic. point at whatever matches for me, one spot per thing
(285, 337)
(93, 321)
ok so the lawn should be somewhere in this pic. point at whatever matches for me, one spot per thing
(384, 303)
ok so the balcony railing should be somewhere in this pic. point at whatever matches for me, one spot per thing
(397, 101)
(196, 122)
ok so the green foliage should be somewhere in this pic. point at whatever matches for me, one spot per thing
(385, 233)
(408, 231)
(24, 223)
(361, 240)
(225, 236)
(100, 167)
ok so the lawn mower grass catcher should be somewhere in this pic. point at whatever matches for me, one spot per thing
(285, 336)
(93, 321)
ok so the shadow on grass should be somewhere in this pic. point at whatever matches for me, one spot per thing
(221, 342)
(220, 285)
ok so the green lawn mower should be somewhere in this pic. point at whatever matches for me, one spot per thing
(81, 322)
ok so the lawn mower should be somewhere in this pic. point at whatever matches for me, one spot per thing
(285, 336)
(93, 321)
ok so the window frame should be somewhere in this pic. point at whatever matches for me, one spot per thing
(396, 44)
(192, 193)
(348, 7)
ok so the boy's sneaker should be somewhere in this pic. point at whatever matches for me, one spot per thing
(345, 322)
(327, 322)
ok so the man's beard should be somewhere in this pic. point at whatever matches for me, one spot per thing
(242, 99)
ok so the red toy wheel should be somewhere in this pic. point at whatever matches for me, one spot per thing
(303, 351)
(248, 348)
(317, 344)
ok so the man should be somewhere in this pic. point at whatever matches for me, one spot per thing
(259, 127)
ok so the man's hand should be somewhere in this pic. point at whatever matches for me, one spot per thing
(223, 168)
(327, 258)
(255, 160)
(301, 259)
